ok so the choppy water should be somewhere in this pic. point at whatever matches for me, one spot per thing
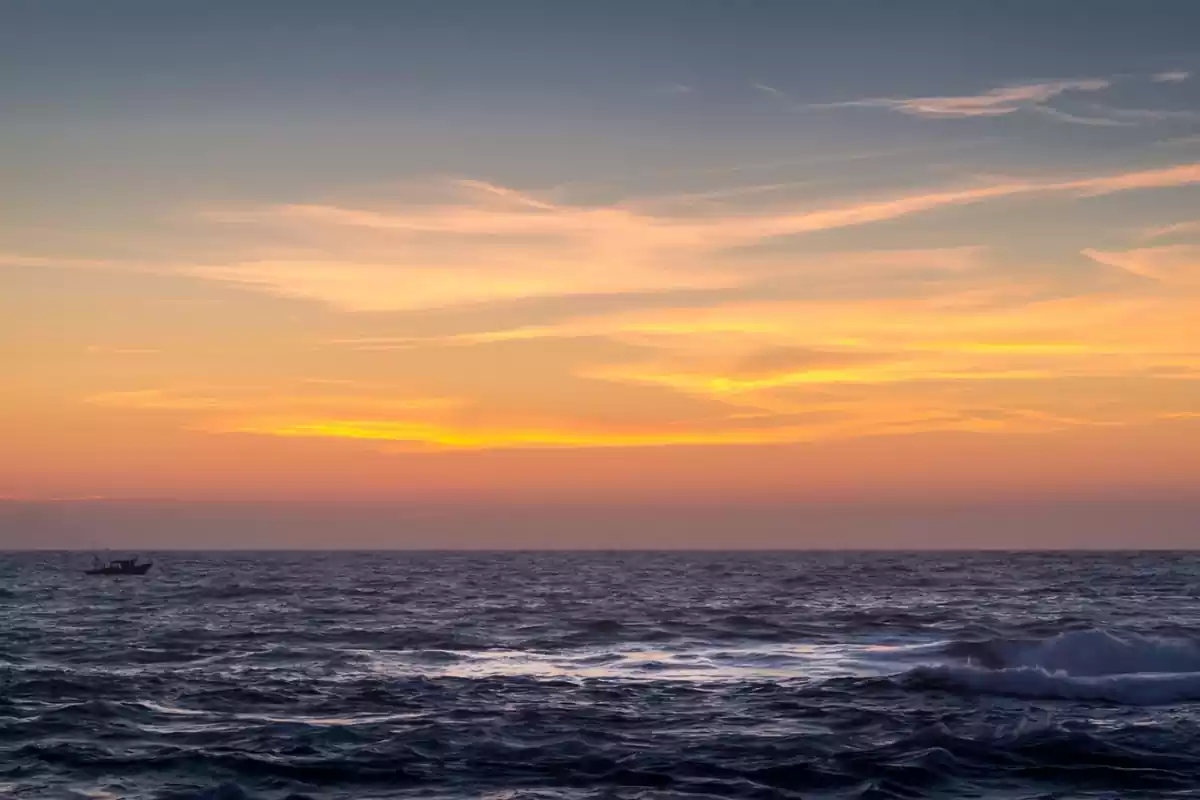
(602, 675)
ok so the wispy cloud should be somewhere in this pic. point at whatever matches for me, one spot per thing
(887, 361)
(1166, 177)
(564, 435)
(1134, 116)
(1035, 97)
(668, 89)
(981, 351)
(785, 347)
(242, 401)
(872, 369)
(1181, 141)
(25, 260)
(477, 253)
(992, 103)
(769, 90)
(1172, 76)
(985, 348)
(436, 423)
(1174, 229)
(492, 244)
(1175, 266)
(1079, 119)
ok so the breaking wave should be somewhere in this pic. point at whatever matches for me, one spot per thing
(1093, 664)
(580, 676)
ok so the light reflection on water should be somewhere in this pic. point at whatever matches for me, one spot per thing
(781, 662)
(573, 676)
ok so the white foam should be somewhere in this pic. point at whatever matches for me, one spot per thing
(1080, 665)
(1094, 653)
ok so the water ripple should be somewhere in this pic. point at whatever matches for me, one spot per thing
(233, 676)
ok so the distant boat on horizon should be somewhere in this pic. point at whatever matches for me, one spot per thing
(126, 566)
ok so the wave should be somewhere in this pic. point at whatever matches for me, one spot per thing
(223, 791)
(1037, 683)
(233, 591)
(1086, 653)
(1094, 664)
(927, 760)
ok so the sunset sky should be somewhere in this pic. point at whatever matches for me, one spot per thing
(427, 267)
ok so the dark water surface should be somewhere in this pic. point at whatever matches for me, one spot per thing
(384, 675)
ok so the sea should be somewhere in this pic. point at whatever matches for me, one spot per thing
(548, 675)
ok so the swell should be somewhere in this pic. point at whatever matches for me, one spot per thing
(1092, 665)
(934, 758)
(384, 675)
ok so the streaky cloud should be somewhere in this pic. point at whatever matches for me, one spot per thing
(1064, 116)
(1176, 266)
(497, 244)
(1181, 141)
(992, 103)
(1144, 114)
(26, 260)
(768, 90)
(1172, 76)
(668, 90)
(1034, 97)
(242, 399)
(1185, 228)
(436, 436)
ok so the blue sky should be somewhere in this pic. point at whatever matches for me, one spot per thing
(271, 97)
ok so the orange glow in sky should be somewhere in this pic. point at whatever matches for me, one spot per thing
(946, 291)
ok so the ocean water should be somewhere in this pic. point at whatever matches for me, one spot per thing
(622, 675)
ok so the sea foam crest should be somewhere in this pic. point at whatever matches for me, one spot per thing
(1079, 665)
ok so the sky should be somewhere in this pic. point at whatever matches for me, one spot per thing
(619, 274)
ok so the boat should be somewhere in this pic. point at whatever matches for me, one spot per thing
(126, 566)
